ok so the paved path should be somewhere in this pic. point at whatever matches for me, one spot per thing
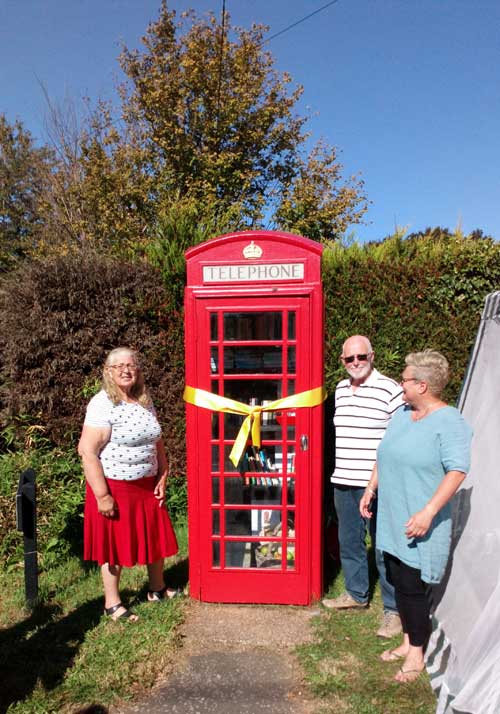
(235, 659)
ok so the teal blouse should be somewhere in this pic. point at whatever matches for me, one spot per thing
(412, 459)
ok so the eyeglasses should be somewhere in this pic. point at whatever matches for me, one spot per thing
(408, 379)
(123, 367)
(360, 358)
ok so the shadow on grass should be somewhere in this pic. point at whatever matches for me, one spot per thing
(176, 576)
(42, 648)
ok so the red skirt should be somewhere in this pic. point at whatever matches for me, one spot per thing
(139, 534)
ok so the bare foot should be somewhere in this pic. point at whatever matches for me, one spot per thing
(392, 655)
(404, 676)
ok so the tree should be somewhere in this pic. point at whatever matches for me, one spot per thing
(315, 203)
(24, 176)
(215, 120)
(205, 120)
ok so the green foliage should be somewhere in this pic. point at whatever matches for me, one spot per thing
(408, 294)
(180, 225)
(24, 177)
(58, 319)
(315, 203)
(60, 493)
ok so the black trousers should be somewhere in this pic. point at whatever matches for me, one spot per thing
(412, 600)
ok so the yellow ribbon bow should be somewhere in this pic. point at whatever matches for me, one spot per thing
(251, 425)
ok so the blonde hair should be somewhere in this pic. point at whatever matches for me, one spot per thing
(138, 391)
(431, 367)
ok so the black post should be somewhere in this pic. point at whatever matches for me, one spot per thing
(26, 523)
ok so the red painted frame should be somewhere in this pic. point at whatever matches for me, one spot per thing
(304, 296)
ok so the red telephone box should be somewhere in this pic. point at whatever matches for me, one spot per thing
(254, 334)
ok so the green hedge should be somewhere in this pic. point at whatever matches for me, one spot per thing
(58, 318)
(407, 295)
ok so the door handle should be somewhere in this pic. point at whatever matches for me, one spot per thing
(304, 442)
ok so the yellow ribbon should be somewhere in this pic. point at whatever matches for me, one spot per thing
(251, 425)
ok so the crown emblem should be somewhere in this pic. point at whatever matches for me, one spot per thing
(252, 251)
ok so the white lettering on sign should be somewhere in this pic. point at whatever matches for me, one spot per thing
(264, 271)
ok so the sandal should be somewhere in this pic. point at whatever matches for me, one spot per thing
(164, 594)
(110, 611)
(405, 676)
(391, 656)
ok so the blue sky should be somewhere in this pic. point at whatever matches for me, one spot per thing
(408, 90)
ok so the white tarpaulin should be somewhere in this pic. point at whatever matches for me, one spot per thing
(463, 657)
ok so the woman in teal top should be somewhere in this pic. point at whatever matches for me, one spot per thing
(421, 461)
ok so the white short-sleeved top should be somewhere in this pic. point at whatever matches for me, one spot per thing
(130, 453)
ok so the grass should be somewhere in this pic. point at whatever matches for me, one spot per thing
(64, 657)
(343, 671)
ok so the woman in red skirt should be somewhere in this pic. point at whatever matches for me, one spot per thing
(124, 461)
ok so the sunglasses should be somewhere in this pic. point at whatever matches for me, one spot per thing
(351, 358)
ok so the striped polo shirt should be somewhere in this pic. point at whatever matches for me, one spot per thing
(360, 420)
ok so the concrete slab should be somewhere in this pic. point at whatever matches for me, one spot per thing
(235, 659)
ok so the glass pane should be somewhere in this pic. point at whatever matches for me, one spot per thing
(236, 490)
(215, 490)
(273, 455)
(235, 554)
(215, 523)
(215, 457)
(249, 554)
(278, 460)
(250, 360)
(238, 522)
(290, 556)
(214, 360)
(240, 554)
(290, 492)
(258, 390)
(269, 430)
(215, 425)
(213, 326)
(248, 490)
(267, 522)
(216, 554)
(268, 555)
(291, 387)
(290, 519)
(291, 359)
(291, 326)
(228, 465)
(253, 326)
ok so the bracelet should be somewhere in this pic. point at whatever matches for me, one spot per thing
(370, 490)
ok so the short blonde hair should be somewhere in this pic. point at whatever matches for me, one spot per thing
(138, 391)
(431, 367)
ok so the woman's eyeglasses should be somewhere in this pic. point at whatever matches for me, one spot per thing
(408, 379)
(124, 367)
(360, 358)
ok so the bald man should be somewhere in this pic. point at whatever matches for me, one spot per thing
(364, 405)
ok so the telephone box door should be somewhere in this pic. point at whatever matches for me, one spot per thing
(255, 351)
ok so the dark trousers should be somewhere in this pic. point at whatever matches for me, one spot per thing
(412, 600)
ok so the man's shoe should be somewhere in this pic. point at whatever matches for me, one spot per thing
(390, 625)
(343, 602)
